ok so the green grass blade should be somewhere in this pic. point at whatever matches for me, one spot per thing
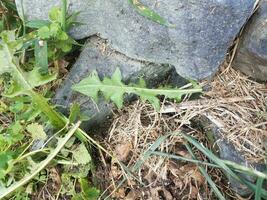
(236, 167)
(259, 188)
(149, 151)
(64, 14)
(158, 153)
(207, 177)
(220, 162)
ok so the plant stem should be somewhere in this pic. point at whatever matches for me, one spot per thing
(58, 121)
(54, 117)
(64, 14)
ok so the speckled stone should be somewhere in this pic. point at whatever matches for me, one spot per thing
(204, 29)
(251, 57)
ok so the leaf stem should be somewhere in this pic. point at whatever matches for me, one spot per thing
(64, 14)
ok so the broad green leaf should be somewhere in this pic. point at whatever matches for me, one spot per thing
(41, 58)
(16, 107)
(22, 81)
(62, 36)
(77, 171)
(81, 154)
(5, 59)
(31, 80)
(113, 89)
(44, 33)
(65, 46)
(1, 25)
(55, 14)
(148, 13)
(37, 23)
(9, 38)
(37, 131)
(5, 158)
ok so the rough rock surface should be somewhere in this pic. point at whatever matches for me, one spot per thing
(204, 29)
(251, 56)
(97, 55)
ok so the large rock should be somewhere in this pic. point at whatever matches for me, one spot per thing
(251, 56)
(204, 29)
(98, 56)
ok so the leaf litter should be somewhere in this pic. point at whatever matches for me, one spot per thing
(233, 101)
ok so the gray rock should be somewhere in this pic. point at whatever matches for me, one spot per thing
(204, 29)
(98, 56)
(251, 56)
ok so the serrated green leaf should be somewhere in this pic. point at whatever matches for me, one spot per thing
(37, 131)
(148, 13)
(14, 133)
(113, 89)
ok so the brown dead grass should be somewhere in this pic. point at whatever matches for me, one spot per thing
(236, 104)
(243, 122)
(134, 130)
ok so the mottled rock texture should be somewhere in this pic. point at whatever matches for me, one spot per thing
(204, 29)
(251, 56)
